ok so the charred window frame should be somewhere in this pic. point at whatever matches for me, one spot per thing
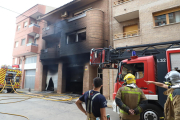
(76, 37)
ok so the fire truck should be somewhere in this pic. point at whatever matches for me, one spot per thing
(10, 75)
(149, 62)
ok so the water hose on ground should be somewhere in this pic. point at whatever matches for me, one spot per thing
(29, 96)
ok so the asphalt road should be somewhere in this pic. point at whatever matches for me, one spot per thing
(40, 109)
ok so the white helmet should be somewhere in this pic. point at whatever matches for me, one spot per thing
(173, 77)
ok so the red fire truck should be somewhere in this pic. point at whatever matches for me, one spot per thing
(147, 62)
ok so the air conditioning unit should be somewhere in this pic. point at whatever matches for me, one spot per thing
(36, 36)
(65, 14)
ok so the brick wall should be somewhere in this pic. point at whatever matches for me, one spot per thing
(148, 33)
(90, 72)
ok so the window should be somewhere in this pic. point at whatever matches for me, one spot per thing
(23, 42)
(30, 40)
(16, 44)
(33, 22)
(15, 62)
(174, 17)
(76, 37)
(30, 60)
(167, 17)
(160, 20)
(131, 30)
(137, 69)
(18, 27)
(25, 24)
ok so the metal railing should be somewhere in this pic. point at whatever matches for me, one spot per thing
(50, 53)
(121, 2)
(127, 34)
(34, 25)
(31, 44)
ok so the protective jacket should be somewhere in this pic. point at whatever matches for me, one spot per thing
(130, 98)
(172, 105)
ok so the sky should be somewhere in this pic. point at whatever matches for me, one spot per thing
(8, 23)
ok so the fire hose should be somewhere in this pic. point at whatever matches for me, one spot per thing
(29, 96)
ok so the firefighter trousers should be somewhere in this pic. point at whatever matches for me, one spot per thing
(90, 117)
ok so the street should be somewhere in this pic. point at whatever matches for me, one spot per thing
(40, 109)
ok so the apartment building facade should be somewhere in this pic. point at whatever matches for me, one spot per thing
(71, 32)
(136, 22)
(28, 44)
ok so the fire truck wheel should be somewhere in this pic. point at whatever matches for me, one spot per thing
(152, 112)
(9, 90)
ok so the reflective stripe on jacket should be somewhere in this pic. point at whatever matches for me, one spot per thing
(131, 97)
(172, 105)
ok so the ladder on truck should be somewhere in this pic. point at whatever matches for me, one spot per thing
(110, 58)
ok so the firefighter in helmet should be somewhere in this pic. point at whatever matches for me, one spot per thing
(172, 105)
(130, 99)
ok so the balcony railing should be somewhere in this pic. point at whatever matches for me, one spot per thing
(119, 2)
(49, 53)
(128, 34)
(34, 25)
(31, 44)
(77, 17)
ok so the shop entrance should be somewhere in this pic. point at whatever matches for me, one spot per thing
(74, 79)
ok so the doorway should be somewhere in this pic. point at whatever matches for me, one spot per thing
(74, 79)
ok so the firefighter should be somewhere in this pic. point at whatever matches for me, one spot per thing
(130, 99)
(172, 105)
(95, 102)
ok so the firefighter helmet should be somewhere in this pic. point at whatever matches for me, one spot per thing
(173, 77)
(130, 78)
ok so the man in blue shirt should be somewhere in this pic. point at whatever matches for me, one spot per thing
(95, 102)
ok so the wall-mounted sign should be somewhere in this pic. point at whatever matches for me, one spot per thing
(86, 67)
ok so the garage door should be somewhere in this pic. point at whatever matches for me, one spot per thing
(30, 78)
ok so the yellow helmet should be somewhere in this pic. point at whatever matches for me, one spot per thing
(130, 78)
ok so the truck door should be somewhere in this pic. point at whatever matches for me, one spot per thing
(140, 71)
(173, 59)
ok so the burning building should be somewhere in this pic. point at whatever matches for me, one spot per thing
(70, 32)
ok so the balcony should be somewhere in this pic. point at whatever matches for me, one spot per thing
(91, 22)
(127, 16)
(29, 49)
(48, 32)
(49, 53)
(128, 34)
(33, 29)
